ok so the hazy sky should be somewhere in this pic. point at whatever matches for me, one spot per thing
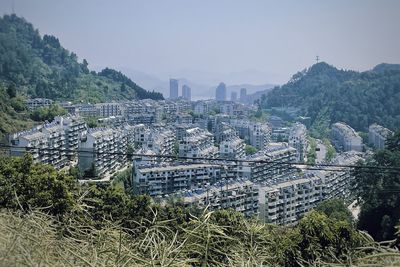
(171, 37)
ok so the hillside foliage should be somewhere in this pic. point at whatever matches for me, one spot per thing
(378, 192)
(40, 67)
(329, 95)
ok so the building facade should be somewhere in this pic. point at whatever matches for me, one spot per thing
(220, 92)
(186, 92)
(377, 135)
(345, 138)
(173, 89)
(286, 202)
(239, 195)
(298, 140)
(102, 152)
(167, 179)
(197, 143)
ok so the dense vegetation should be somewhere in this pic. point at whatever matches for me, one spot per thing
(328, 95)
(46, 218)
(379, 192)
(40, 67)
(13, 112)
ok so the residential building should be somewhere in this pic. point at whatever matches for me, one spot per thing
(35, 103)
(268, 165)
(228, 108)
(108, 109)
(200, 108)
(260, 135)
(298, 140)
(87, 110)
(232, 148)
(284, 203)
(337, 180)
(184, 118)
(32, 141)
(53, 143)
(240, 195)
(102, 152)
(345, 138)
(377, 135)
(280, 134)
(197, 143)
(74, 130)
(167, 179)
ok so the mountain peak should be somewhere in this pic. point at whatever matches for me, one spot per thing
(321, 67)
(386, 67)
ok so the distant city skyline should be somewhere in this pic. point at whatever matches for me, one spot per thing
(253, 42)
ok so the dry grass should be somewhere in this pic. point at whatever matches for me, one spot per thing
(34, 240)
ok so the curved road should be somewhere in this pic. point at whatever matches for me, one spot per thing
(321, 153)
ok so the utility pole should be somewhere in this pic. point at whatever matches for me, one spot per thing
(317, 58)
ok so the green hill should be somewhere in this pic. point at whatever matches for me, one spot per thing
(41, 67)
(327, 95)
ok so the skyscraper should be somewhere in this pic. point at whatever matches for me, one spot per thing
(243, 95)
(234, 96)
(173, 89)
(220, 92)
(186, 92)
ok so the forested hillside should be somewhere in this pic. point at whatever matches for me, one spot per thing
(327, 95)
(41, 67)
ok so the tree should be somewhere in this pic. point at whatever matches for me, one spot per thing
(378, 190)
(11, 91)
(84, 65)
(27, 185)
(335, 209)
(47, 114)
(250, 150)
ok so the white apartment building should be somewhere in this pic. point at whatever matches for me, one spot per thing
(268, 164)
(260, 135)
(161, 141)
(239, 195)
(286, 202)
(102, 151)
(109, 109)
(298, 140)
(377, 135)
(345, 138)
(184, 118)
(200, 108)
(257, 134)
(337, 180)
(35, 103)
(33, 141)
(52, 143)
(197, 143)
(167, 179)
(232, 148)
(74, 129)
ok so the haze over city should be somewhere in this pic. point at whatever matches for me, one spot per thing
(199, 133)
(206, 42)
